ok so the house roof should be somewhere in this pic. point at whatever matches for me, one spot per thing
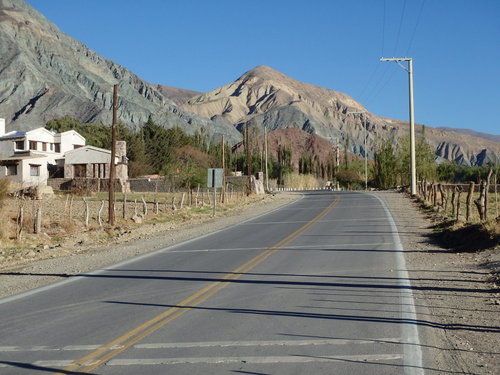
(88, 148)
(23, 157)
(13, 134)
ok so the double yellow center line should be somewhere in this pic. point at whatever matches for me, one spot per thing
(110, 350)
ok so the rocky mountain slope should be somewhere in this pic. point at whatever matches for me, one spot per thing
(47, 74)
(178, 96)
(491, 137)
(266, 97)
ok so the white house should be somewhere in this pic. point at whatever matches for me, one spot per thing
(29, 158)
(94, 162)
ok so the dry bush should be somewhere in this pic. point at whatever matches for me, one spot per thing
(4, 190)
(302, 181)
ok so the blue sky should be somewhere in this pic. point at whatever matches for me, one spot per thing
(201, 45)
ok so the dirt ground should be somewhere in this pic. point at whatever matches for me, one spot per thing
(457, 300)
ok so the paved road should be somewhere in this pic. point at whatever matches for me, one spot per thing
(316, 287)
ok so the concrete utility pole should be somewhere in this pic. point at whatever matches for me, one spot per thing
(223, 144)
(409, 69)
(265, 152)
(249, 159)
(112, 166)
(364, 133)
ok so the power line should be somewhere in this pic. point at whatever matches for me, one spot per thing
(383, 30)
(399, 29)
(416, 25)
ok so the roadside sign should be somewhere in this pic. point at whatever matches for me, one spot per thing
(215, 177)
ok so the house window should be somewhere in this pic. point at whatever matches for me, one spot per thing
(57, 147)
(44, 146)
(33, 145)
(19, 145)
(80, 170)
(34, 170)
(11, 169)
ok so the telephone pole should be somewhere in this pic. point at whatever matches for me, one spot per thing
(112, 166)
(409, 69)
(249, 160)
(223, 144)
(265, 151)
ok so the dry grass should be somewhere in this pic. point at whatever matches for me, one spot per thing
(63, 216)
(303, 181)
(4, 189)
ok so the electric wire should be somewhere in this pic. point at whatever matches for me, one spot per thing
(416, 26)
(376, 66)
(399, 28)
(383, 29)
(379, 79)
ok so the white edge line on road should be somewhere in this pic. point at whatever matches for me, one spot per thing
(412, 350)
(208, 344)
(227, 360)
(136, 258)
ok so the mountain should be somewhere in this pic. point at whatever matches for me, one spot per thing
(266, 97)
(178, 96)
(47, 74)
(491, 137)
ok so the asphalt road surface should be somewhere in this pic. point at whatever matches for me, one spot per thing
(316, 287)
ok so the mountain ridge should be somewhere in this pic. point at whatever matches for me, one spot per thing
(48, 74)
(264, 97)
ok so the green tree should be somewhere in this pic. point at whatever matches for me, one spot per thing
(284, 165)
(385, 166)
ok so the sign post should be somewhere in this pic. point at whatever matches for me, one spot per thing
(214, 180)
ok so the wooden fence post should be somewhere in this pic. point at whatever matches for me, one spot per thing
(70, 208)
(174, 208)
(459, 191)
(144, 206)
(182, 200)
(453, 202)
(86, 214)
(468, 207)
(99, 213)
(20, 223)
(124, 206)
(37, 227)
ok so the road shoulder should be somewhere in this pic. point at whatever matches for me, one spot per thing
(458, 309)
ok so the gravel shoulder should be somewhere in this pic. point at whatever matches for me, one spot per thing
(458, 304)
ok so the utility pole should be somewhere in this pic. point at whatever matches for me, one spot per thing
(223, 169)
(112, 166)
(409, 69)
(265, 151)
(247, 151)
